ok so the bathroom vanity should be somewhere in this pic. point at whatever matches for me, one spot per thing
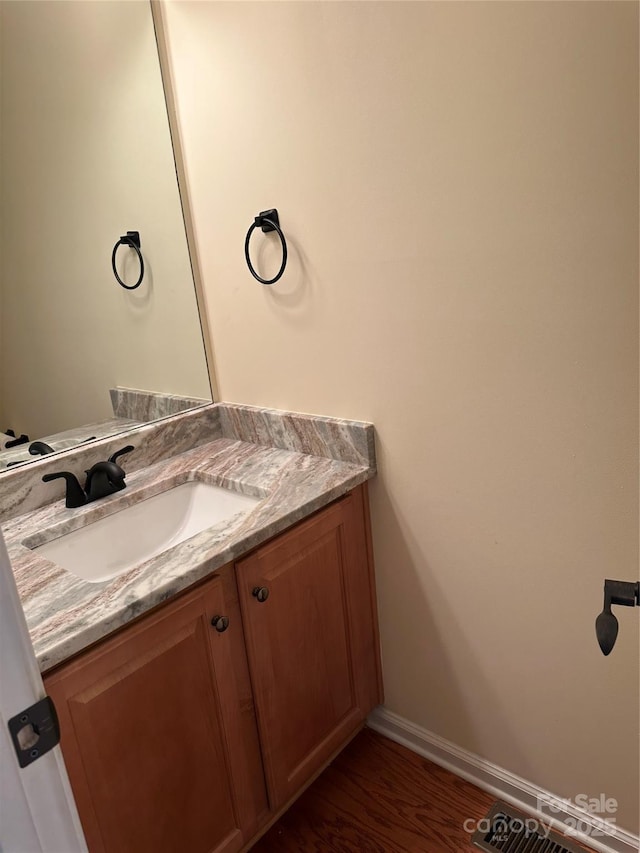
(201, 691)
(166, 727)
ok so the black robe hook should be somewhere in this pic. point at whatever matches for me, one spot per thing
(615, 592)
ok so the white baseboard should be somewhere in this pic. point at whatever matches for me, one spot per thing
(503, 784)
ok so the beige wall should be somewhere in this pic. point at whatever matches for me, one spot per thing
(86, 156)
(458, 184)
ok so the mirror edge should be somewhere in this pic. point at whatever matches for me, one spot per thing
(157, 15)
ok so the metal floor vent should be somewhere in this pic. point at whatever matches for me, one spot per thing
(508, 830)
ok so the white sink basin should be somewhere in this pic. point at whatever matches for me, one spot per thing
(114, 544)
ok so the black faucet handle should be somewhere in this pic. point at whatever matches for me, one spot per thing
(121, 452)
(75, 493)
(24, 439)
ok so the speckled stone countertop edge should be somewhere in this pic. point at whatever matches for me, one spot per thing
(65, 614)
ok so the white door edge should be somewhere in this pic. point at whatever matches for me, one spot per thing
(37, 810)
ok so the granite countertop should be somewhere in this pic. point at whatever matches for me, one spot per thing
(66, 614)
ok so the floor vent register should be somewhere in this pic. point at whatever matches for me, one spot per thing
(513, 832)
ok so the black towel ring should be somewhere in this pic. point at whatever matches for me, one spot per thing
(131, 239)
(268, 220)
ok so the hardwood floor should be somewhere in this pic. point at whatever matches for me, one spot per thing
(379, 797)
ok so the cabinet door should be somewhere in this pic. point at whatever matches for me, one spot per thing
(312, 644)
(144, 736)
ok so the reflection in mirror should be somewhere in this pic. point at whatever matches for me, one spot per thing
(86, 157)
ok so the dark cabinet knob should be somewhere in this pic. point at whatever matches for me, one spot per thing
(220, 623)
(261, 593)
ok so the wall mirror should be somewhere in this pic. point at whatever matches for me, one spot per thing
(85, 157)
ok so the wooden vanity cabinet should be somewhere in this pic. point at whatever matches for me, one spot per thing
(158, 731)
(170, 729)
(310, 627)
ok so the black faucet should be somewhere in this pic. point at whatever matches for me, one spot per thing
(103, 478)
(40, 448)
